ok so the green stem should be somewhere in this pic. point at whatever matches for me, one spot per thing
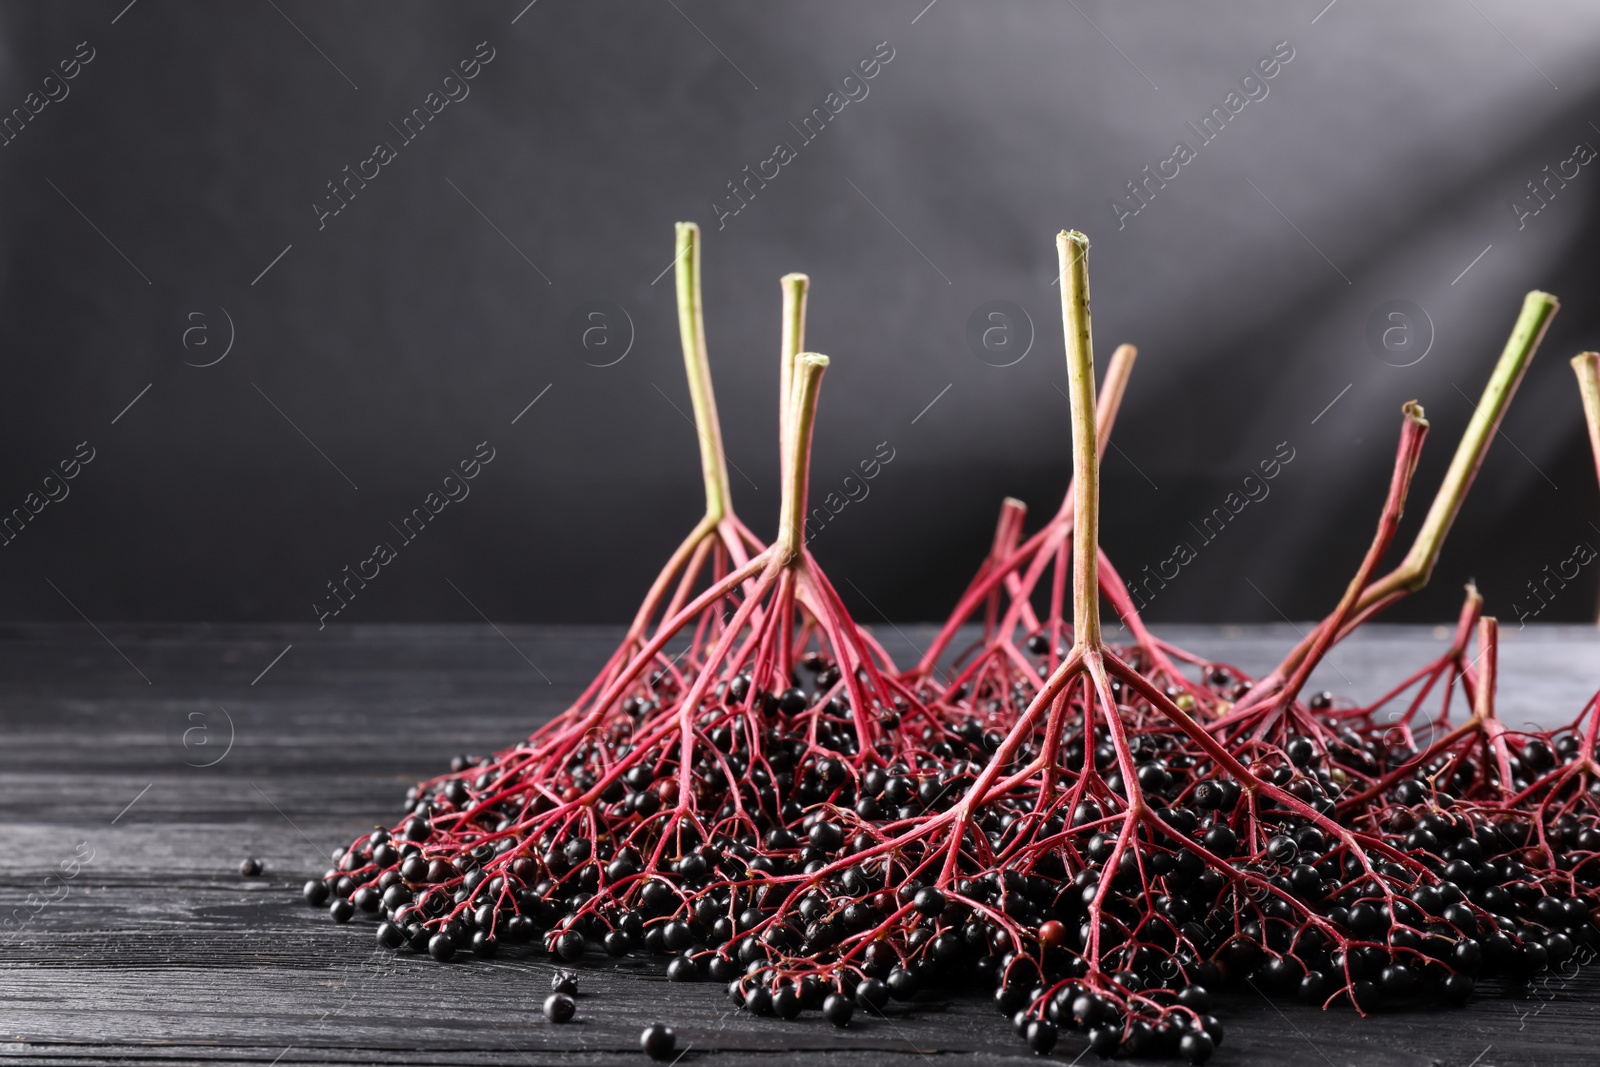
(795, 287)
(1073, 251)
(1586, 365)
(1415, 570)
(808, 369)
(692, 332)
(1108, 401)
(1488, 667)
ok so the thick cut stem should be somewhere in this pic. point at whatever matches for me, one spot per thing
(1488, 668)
(692, 332)
(808, 370)
(1414, 571)
(1073, 251)
(1413, 430)
(1586, 365)
(795, 288)
(1483, 713)
(719, 537)
(1020, 572)
(1111, 390)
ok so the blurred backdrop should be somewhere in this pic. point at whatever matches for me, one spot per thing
(272, 270)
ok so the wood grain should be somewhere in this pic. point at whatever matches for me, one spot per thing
(157, 951)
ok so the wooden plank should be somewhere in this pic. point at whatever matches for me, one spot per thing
(159, 952)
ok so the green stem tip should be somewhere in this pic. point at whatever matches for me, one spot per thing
(807, 383)
(1073, 252)
(692, 333)
(1414, 571)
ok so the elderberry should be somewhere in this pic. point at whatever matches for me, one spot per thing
(569, 945)
(1041, 1035)
(758, 1001)
(657, 1041)
(390, 935)
(873, 995)
(559, 1007)
(837, 1009)
(1103, 1040)
(1196, 1046)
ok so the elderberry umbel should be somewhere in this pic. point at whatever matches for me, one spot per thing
(1101, 834)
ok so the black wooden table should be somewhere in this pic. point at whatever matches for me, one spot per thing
(139, 765)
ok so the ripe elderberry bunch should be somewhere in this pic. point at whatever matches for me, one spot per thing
(1104, 835)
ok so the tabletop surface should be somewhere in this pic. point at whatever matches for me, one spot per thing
(150, 759)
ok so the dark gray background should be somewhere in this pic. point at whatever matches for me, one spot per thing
(409, 329)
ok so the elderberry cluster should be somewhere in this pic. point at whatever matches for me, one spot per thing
(1101, 835)
(1075, 911)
